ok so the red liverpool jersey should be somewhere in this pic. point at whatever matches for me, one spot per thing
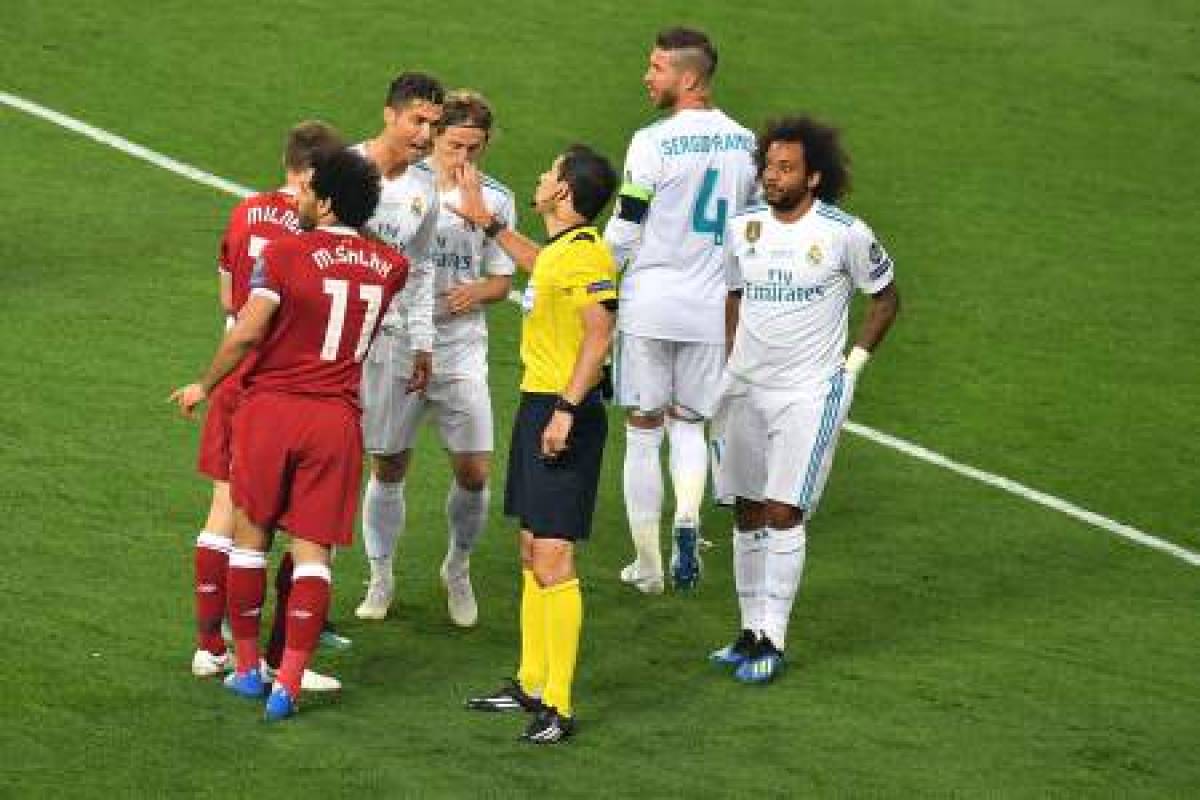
(333, 287)
(254, 222)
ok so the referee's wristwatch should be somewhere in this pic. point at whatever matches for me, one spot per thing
(493, 228)
(563, 404)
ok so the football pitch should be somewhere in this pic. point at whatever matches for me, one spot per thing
(1032, 168)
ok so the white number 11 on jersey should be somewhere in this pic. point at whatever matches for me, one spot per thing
(338, 290)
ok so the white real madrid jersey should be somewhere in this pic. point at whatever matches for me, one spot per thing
(796, 281)
(697, 168)
(405, 219)
(462, 254)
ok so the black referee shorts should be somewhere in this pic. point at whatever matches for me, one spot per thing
(554, 499)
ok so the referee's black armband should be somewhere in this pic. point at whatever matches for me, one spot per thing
(632, 209)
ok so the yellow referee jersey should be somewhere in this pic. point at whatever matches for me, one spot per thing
(573, 270)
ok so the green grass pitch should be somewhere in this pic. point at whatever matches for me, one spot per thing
(1032, 168)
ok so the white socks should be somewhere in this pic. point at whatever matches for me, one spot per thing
(383, 522)
(214, 541)
(784, 567)
(689, 469)
(750, 576)
(466, 514)
(644, 495)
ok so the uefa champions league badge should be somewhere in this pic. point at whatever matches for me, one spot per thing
(527, 299)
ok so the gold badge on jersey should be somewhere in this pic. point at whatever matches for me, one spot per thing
(418, 206)
(815, 255)
(753, 231)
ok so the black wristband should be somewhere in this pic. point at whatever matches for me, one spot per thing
(563, 404)
(493, 228)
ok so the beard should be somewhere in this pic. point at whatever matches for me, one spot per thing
(666, 99)
(786, 201)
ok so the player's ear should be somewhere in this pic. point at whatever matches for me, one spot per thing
(814, 180)
(389, 116)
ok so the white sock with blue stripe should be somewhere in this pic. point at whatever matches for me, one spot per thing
(784, 568)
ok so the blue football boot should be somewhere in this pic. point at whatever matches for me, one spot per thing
(685, 558)
(280, 705)
(734, 655)
(761, 667)
(247, 684)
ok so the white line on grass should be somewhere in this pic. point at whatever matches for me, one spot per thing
(908, 448)
(124, 145)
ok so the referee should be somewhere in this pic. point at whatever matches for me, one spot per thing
(558, 437)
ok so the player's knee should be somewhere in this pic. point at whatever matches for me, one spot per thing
(551, 572)
(472, 476)
(685, 415)
(781, 516)
(646, 420)
(552, 562)
(749, 515)
(390, 468)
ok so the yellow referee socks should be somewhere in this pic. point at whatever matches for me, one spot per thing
(532, 672)
(563, 604)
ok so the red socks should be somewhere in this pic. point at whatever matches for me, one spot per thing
(307, 608)
(211, 568)
(247, 585)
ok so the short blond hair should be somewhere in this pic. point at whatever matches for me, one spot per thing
(466, 108)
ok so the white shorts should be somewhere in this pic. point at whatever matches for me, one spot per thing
(653, 375)
(771, 444)
(392, 416)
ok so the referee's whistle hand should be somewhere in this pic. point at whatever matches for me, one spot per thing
(554, 437)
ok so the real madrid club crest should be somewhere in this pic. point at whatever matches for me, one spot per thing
(753, 234)
(418, 206)
(815, 255)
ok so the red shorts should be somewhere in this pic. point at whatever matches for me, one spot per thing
(297, 464)
(215, 437)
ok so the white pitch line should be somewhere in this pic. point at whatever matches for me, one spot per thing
(124, 145)
(887, 440)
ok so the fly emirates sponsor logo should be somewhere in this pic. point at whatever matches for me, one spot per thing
(780, 288)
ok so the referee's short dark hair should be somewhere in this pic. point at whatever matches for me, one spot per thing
(591, 177)
(350, 182)
(409, 87)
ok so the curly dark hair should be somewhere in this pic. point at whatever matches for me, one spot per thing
(350, 182)
(823, 152)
